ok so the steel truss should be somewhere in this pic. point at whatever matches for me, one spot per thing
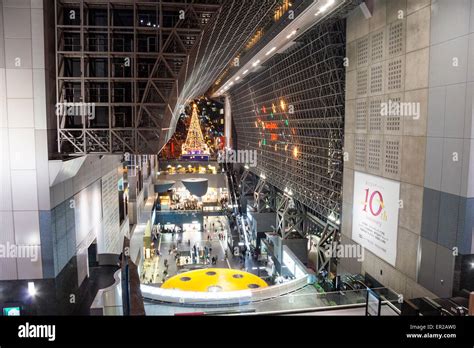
(328, 238)
(291, 218)
(169, 62)
(302, 151)
(247, 183)
(264, 197)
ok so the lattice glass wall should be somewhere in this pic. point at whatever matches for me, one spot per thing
(292, 114)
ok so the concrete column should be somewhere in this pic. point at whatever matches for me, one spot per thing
(24, 179)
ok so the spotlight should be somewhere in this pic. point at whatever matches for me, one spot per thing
(31, 289)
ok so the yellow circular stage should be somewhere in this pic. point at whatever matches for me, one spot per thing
(214, 280)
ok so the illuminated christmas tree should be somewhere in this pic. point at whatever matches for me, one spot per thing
(195, 147)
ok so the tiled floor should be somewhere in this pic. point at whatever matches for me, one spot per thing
(185, 241)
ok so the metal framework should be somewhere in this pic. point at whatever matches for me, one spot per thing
(139, 62)
(292, 113)
(231, 30)
(291, 218)
(264, 197)
(123, 56)
(247, 183)
(328, 238)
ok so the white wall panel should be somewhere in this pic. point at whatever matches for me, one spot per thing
(24, 190)
(27, 230)
(29, 268)
(20, 113)
(22, 148)
(7, 232)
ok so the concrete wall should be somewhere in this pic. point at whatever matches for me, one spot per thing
(388, 60)
(35, 209)
(448, 203)
(417, 51)
(24, 181)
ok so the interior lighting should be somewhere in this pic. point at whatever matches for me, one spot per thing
(295, 151)
(31, 289)
(271, 51)
(325, 7)
(256, 63)
(293, 33)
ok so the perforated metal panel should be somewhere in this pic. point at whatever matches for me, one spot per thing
(375, 116)
(377, 45)
(363, 52)
(395, 74)
(374, 155)
(362, 81)
(396, 38)
(360, 152)
(393, 119)
(376, 79)
(361, 115)
(392, 157)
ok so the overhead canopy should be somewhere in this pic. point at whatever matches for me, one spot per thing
(164, 185)
(197, 187)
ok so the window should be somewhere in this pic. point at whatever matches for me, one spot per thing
(72, 67)
(98, 67)
(98, 17)
(123, 18)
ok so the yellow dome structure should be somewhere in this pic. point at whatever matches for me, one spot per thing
(214, 280)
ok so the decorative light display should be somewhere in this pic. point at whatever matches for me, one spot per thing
(195, 147)
(295, 152)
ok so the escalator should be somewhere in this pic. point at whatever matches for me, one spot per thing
(425, 306)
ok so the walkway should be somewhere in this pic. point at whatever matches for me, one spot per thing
(184, 242)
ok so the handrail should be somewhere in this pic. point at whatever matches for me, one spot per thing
(108, 301)
(221, 298)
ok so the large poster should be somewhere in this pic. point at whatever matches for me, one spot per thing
(375, 215)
